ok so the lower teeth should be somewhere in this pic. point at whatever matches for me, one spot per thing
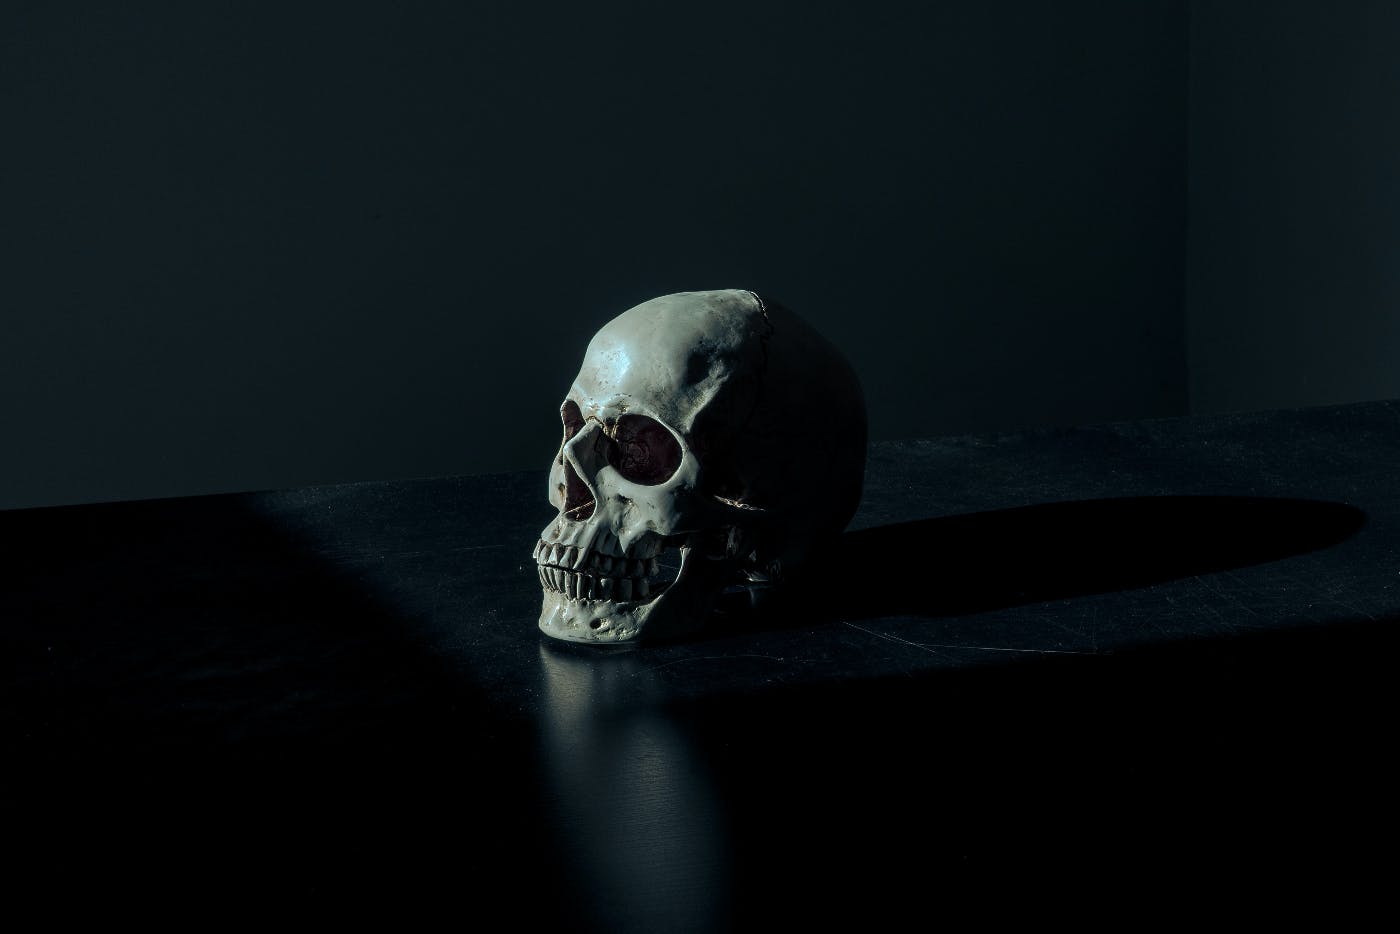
(579, 587)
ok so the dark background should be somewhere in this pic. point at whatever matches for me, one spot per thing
(266, 245)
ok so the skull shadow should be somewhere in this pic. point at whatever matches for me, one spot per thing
(977, 562)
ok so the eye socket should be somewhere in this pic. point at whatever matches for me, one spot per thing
(571, 417)
(643, 450)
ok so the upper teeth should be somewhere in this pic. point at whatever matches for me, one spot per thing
(622, 565)
(600, 576)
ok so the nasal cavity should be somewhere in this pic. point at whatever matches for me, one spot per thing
(578, 498)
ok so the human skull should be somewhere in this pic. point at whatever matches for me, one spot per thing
(711, 442)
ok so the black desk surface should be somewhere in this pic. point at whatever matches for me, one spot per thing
(1154, 654)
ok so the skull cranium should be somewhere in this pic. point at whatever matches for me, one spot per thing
(711, 441)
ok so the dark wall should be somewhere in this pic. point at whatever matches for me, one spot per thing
(251, 246)
(1294, 289)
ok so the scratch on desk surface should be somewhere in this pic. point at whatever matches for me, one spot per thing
(1309, 587)
(1225, 595)
(994, 648)
(1347, 606)
(930, 646)
(889, 638)
(1208, 613)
